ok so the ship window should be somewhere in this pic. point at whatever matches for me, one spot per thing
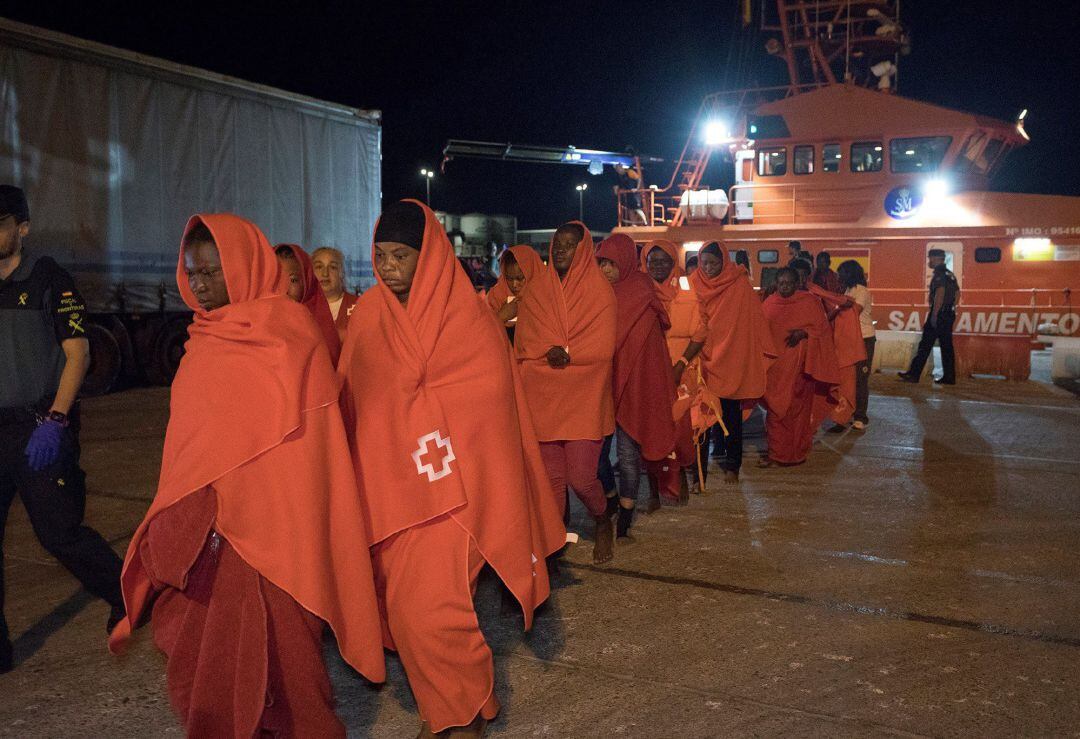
(804, 160)
(987, 254)
(830, 158)
(867, 156)
(765, 127)
(979, 154)
(768, 256)
(772, 162)
(923, 154)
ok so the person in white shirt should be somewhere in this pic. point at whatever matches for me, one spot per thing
(853, 278)
(329, 266)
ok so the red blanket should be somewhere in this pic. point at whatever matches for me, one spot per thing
(738, 346)
(314, 300)
(577, 313)
(642, 385)
(254, 414)
(438, 423)
(850, 350)
(799, 373)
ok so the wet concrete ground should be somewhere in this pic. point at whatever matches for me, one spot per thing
(921, 578)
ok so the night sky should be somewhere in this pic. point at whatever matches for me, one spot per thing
(590, 74)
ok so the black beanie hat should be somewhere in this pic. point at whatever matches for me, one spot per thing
(402, 222)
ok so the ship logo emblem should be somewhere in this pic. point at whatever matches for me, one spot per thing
(902, 203)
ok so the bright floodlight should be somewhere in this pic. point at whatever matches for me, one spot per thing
(936, 189)
(716, 133)
(1020, 124)
(583, 186)
(427, 173)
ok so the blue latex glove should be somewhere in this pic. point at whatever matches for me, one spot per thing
(44, 446)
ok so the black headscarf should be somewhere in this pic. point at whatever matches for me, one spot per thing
(401, 222)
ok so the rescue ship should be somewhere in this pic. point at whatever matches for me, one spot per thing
(838, 161)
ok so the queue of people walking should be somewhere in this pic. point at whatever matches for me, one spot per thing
(355, 461)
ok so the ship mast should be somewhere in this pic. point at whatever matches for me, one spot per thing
(824, 42)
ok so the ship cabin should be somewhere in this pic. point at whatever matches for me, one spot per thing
(825, 156)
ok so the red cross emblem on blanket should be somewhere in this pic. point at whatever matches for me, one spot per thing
(443, 460)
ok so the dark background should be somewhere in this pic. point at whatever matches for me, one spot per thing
(592, 74)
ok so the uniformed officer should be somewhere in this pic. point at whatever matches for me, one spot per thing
(44, 355)
(943, 296)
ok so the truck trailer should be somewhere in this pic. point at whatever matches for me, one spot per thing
(115, 150)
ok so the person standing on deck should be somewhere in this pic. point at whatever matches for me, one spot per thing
(943, 296)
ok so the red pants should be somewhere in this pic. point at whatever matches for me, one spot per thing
(792, 435)
(243, 658)
(574, 463)
(425, 577)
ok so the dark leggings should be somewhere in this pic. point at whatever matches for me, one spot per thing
(862, 381)
(605, 470)
(728, 449)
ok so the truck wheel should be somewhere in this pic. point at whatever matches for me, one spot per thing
(169, 349)
(106, 361)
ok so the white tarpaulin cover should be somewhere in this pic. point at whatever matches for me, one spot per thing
(115, 154)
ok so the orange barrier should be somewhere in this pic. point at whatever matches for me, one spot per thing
(993, 355)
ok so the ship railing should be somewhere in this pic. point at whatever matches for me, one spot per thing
(661, 203)
(774, 203)
(980, 297)
(797, 201)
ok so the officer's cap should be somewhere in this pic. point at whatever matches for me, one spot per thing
(13, 203)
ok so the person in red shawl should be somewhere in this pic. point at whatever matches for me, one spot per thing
(661, 261)
(256, 535)
(564, 344)
(329, 265)
(502, 298)
(642, 384)
(304, 288)
(823, 275)
(843, 314)
(738, 346)
(449, 467)
(805, 368)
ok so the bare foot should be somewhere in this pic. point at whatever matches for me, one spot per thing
(765, 462)
(731, 477)
(604, 548)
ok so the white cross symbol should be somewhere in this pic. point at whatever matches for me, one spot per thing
(422, 449)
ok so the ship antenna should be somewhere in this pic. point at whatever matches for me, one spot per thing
(847, 46)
